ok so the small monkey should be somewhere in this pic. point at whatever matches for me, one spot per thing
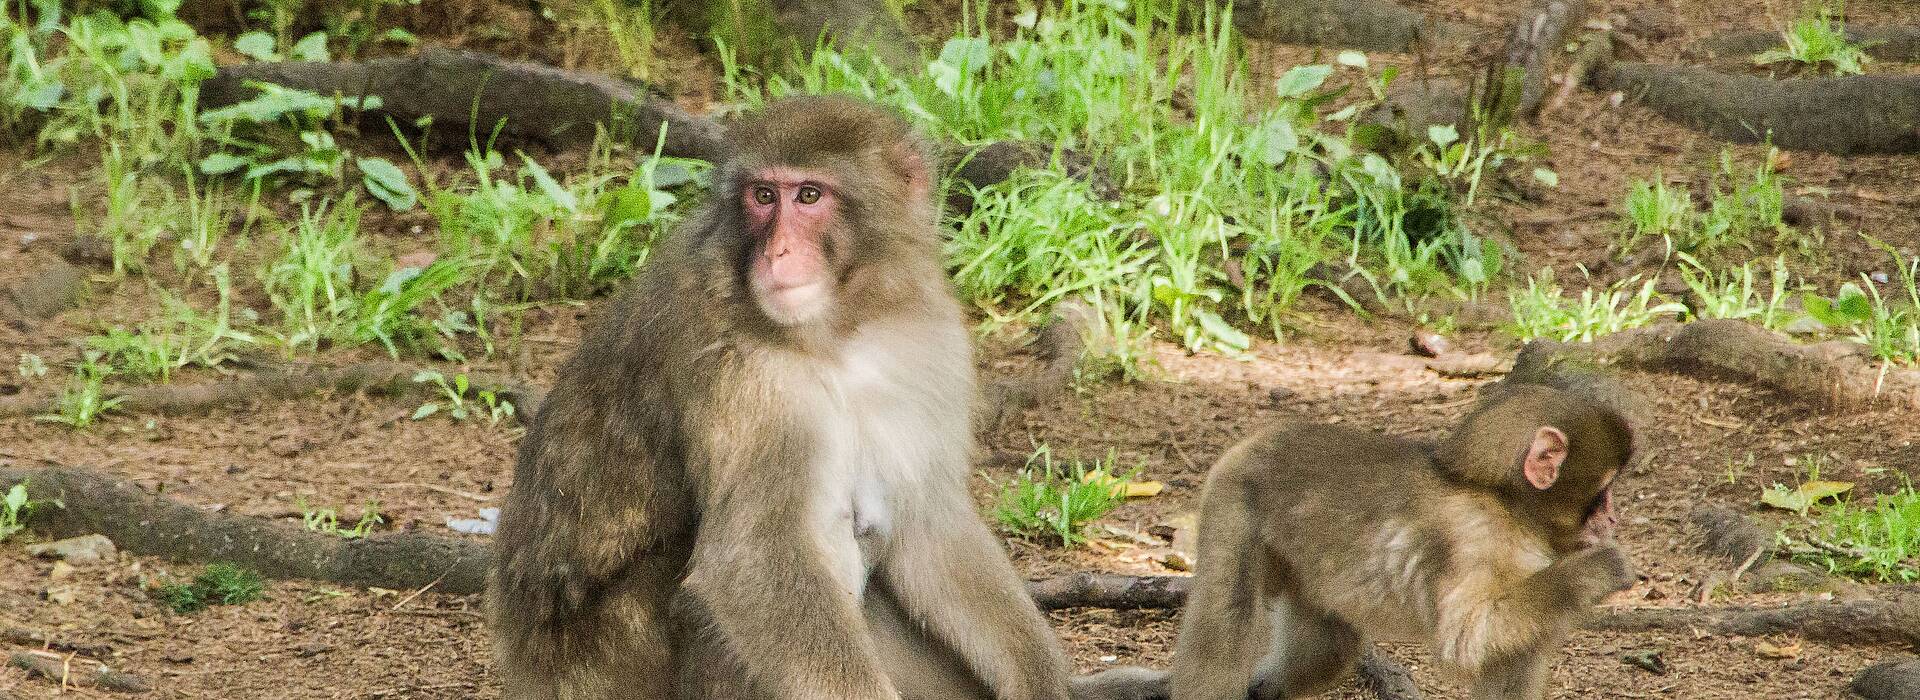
(1314, 539)
(750, 481)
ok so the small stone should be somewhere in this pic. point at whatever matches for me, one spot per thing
(1279, 395)
(1804, 325)
(79, 551)
(1427, 344)
(60, 595)
(61, 571)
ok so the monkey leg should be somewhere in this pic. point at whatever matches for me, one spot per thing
(1310, 652)
(1225, 629)
(618, 651)
(921, 667)
(1520, 676)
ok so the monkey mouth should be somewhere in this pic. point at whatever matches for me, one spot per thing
(792, 304)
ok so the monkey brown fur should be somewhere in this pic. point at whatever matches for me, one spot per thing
(1314, 539)
(750, 480)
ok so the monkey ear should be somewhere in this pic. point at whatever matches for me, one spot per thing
(1541, 466)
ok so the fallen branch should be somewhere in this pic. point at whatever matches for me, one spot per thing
(290, 382)
(1835, 374)
(1896, 44)
(1842, 115)
(558, 107)
(1118, 591)
(72, 672)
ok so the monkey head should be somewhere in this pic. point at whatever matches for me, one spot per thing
(1551, 454)
(817, 191)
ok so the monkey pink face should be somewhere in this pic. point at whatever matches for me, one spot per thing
(789, 212)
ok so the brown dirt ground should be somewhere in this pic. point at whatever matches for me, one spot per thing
(309, 639)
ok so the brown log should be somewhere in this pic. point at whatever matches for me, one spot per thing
(1833, 374)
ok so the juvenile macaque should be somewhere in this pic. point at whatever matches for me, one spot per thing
(1314, 539)
(750, 480)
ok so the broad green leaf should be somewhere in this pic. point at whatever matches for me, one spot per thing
(1547, 177)
(1821, 309)
(401, 36)
(1442, 135)
(969, 54)
(1351, 59)
(425, 409)
(1300, 80)
(1281, 140)
(257, 46)
(1222, 331)
(387, 182)
(16, 498)
(221, 163)
(312, 47)
(1853, 304)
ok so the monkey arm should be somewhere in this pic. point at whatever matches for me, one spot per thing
(950, 574)
(761, 577)
(1489, 619)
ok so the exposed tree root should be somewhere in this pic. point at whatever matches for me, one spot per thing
(1842, 115)
(1835, 374)
(1535, 42)
(1894, 621)
(557, 107)
(1896, 44)
(390, 378)
(154, 526)
(144, 524)
(1893, 679)
(1367, 25)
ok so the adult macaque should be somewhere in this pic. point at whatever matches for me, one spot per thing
(1314, 539)
(750, 480)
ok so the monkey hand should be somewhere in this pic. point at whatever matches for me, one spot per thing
(1605, 569)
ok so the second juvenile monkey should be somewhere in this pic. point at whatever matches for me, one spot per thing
(1314, 539)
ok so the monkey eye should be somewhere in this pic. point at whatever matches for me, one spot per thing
(808, 194)
(763, 194)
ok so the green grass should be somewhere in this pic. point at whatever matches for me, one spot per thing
(1887, 322)
(1543, 310)
(1057, 502)
(1818, 40)
(84, 398)
(15, 506)
(1656, 211)
(327, 520)
(1738, 293)
(218, 584)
